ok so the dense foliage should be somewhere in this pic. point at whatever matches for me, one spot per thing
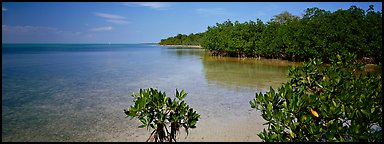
(317, 34)
(324, 102)
(182, 39)
(157, 111)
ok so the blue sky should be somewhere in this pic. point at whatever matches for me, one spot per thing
(140, 22)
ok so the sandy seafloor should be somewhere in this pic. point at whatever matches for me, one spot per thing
(77, 93)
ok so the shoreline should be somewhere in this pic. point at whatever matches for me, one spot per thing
(189, 46)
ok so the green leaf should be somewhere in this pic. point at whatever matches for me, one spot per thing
(177, 94)
(269, 107)
(285, 104)
(274, 136)
(291, 133)
(141, 126)
(252, 104)
(182, 94)
(338, 57)
(169, 102)
(295, 124)
(364, 112)
(142, 119)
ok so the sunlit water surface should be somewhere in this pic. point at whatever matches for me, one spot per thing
(77, 92)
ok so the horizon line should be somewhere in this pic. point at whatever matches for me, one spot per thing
(87, 43)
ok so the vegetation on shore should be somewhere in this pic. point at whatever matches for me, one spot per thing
(184, 46)
(324, 102)
(183, 39)
(317, 34)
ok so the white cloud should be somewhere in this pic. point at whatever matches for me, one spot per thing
(108, 28)
(155, 5)
(115, 21)
(3, 9)
(109, 16)
(213, 11)
(25, 29)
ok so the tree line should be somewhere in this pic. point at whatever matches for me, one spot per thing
(183, 39)
(317, 34)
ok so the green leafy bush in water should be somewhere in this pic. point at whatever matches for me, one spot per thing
(159, 112)
(324, 102)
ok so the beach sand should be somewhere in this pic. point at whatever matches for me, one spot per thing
(209, 129)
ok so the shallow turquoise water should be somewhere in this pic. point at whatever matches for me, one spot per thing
(77, 92)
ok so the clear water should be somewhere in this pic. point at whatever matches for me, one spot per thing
(77, 92)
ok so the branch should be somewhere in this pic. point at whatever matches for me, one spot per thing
(151, 135)
(166, 130)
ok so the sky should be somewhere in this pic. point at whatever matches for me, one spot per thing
(137, 22)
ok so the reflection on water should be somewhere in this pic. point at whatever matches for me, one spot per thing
(259, 74)
(184, 51)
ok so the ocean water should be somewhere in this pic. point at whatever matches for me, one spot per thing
(77, 92)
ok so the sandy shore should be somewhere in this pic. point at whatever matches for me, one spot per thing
(242, 127)
(189, 46)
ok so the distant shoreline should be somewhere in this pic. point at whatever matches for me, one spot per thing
(190, 46)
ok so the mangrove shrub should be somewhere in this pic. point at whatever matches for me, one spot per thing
(165, 115)
(324, 102)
